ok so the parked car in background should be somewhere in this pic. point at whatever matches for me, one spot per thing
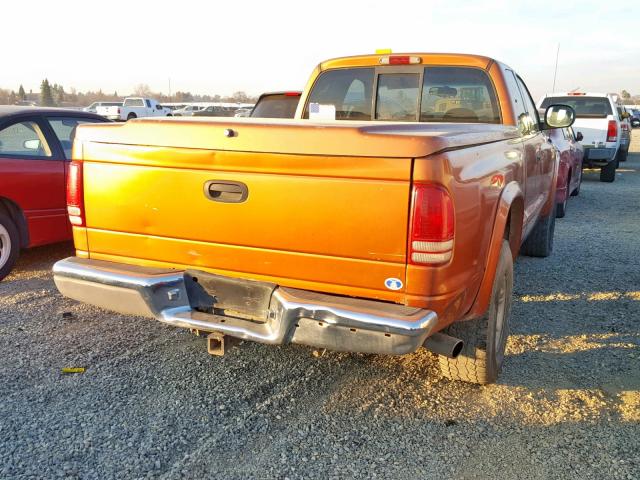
(135, 107)
(187, 111)
(597, 119)
(635, 118)
(215, 111)
(383, 219)
(276, 105)
(570, 152)
(26, 103)
(94, 106)
(35, 149)
(243, 112)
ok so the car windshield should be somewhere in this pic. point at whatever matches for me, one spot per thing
(585, 107)
(276, 106)
(431, 94)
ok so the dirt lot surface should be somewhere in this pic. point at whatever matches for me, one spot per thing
(153, 404)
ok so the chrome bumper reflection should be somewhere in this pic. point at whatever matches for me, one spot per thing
(294, 316)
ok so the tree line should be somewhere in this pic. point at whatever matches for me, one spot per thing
(55, 95)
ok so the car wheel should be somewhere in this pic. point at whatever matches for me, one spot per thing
(539, 243)
(576, 192)
(485, 338)
(561, 208)
(9, 245)
(608, 172)
(131, 116)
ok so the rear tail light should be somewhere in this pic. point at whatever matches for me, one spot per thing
(118, 110)
(624, 127)
(75, 194)
(612, 131)
(432, 225)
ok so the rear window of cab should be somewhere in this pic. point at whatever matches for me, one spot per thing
(431, 94)
(585, 107)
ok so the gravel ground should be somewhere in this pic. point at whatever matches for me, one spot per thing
(153, 404)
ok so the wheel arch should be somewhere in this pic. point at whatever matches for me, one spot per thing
(508, 225)
(13, 210)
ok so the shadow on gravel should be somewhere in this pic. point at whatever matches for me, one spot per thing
(41, 258)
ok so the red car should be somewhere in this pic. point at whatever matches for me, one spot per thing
(35, 149)
(570, 168)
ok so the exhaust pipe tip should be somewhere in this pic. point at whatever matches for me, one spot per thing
(444, 344)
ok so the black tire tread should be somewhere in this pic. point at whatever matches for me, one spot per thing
(472, 365)
(608, 172)
(539, 243)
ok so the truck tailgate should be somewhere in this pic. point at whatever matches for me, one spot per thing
(326, 206)
(318, 222)
(594, 130)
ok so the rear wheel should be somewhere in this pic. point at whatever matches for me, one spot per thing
(576, 192)
(9, 245)
(131, 115)
(561, 208)
(608, 172)
(539, 243)
(484, 339)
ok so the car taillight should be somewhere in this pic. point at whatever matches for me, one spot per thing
(75, 194)
(612, 131)
(432, 225)
(118, 110)
(624, 126)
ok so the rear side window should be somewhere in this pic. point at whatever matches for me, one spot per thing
(24, 139)
(65, 130)
(348, 90)
(585, 107)
(276, 106)
(458, 94)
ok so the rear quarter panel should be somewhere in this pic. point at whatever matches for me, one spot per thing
(475, 177)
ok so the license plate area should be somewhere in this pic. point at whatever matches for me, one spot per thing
(231, 297)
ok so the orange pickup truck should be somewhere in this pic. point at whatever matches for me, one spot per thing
(384, 218)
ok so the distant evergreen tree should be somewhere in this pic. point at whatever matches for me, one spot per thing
(13, 99)
(46, 98)
(60, 94)
(21, 93)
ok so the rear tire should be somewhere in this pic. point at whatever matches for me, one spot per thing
(484, 339)
(608, 172)
(539, 243)
(9, 245)
(131, 116)
(561, 208)
(576, 192)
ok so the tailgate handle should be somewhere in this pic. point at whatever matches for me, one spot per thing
(226, 192)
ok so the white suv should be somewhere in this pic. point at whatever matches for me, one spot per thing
(598, 120)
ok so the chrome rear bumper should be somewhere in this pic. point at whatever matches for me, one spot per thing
(293, 316)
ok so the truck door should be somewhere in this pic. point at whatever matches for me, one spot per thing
(542, 149)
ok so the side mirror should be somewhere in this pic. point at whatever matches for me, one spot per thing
(559, 116)
(31, 144)
(579, 136)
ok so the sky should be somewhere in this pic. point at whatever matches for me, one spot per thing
(211, 47)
